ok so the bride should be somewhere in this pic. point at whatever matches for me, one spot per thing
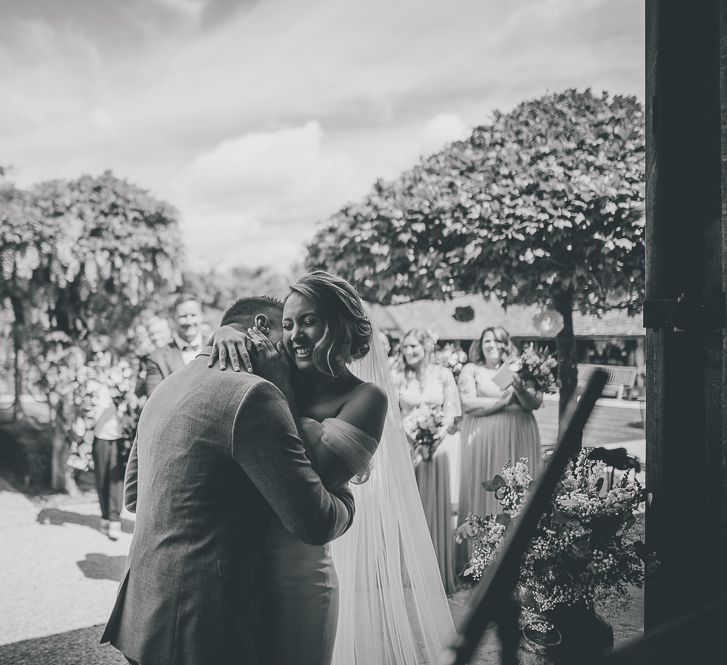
(374, 596)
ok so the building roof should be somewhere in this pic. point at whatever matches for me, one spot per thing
(519, 320)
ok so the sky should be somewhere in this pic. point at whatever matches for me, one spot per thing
(259, 119)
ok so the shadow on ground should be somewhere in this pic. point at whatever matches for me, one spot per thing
(71, 648)
(58, 517)
(98, 566)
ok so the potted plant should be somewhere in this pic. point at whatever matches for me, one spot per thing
(582, 558)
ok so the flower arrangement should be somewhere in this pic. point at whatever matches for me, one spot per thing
(536, 369)
(582, 552)
(452, 357)
(423, 426)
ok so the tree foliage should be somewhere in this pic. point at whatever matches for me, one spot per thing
(547, 198)
(543, 206)
(218, 289)
(78, 257)
(90, 251)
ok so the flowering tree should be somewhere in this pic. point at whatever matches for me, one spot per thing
(76, 257)
(544, 206)
(15, 233)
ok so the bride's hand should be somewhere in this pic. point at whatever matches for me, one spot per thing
(271, 362)
(229, 342)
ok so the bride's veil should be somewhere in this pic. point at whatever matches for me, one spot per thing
(393, 608)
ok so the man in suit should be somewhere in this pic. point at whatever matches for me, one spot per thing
(186, 343)
(217, 454)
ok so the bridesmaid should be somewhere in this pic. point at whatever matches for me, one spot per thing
(497, 426)
(420, 381)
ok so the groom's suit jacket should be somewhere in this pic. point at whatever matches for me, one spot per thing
(216, 455)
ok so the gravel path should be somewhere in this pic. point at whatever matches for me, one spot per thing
(58, 573)
(59, 576)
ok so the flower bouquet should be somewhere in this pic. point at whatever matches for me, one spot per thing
(423, 426)
(452, 357)
(583, 553)
(536, 370)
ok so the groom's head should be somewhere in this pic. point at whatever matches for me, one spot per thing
(263, 312)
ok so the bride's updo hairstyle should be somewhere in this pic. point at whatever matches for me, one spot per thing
(348, 331)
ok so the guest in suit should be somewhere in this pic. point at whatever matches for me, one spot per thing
(217, 455)
(186, 343)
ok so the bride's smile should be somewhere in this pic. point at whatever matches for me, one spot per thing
(303, 328)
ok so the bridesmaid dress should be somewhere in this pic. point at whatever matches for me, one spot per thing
(487, 443)
(435, 386)
(300, 610)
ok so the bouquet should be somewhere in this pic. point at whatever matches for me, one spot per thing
(536, 370)
(582, 552)
(423, 426)
(452, 357)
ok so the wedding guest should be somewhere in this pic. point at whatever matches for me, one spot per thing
(186, 343)
(108, 449)
(421, 383)
(160, 334)
(498, 425)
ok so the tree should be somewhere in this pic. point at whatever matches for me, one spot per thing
(218, 289)
(16, 236)
(544, 206)
(93, 251)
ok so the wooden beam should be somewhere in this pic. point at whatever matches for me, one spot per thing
(685, 235)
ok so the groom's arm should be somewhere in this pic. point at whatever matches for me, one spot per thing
(266, 444)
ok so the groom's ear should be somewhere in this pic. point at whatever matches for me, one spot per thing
(263, 323)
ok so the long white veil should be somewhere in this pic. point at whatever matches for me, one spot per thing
(393, 608)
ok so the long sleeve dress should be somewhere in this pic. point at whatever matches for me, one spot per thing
(436, 387)
(487, 443)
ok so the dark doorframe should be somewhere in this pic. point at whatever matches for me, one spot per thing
(686, 428)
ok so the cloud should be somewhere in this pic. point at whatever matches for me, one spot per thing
(253, 197)
(257, 119)
(192, 8)
(441, 130)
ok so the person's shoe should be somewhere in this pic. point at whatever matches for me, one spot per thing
(114, 530)
(104, 526)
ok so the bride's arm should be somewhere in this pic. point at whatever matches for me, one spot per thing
(366, 411)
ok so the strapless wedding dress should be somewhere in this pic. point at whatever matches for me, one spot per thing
(300, 612)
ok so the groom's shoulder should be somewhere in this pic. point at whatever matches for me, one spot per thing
(196, 378)
(198, 373)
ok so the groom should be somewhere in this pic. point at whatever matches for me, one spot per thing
(216, 455)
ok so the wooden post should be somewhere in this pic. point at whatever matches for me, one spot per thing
(686, 428)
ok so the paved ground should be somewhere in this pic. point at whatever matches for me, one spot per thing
(59, 575)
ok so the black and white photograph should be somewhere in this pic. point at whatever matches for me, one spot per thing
(353, 332)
